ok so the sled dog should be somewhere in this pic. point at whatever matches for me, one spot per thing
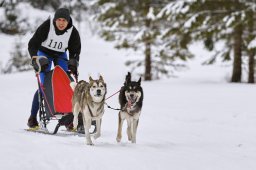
(89, 99)
(130, 99)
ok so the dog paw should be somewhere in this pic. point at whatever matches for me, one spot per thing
(89, 143)
(118, 139)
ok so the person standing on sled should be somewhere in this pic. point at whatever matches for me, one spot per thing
(49, 45)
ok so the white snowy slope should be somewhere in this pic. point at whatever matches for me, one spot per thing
(186, 123)
(197, 121)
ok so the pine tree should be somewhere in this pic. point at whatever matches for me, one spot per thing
(174, 37)
(19, 61)
(78, 8)
(214, 21)
(1, 3)
(45, 4)
(12, 23)
(134, 24)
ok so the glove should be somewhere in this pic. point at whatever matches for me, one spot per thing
(40, 63)
(73, 70)
(72, 66)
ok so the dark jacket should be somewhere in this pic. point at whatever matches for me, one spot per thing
(74, 44)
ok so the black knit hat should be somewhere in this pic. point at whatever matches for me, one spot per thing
(62, 13)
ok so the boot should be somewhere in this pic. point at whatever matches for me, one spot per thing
(69, 127)
(32, 122)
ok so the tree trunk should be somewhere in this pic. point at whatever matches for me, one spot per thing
(251, 52)
(251, 66)
(237, 63)
(147, 74)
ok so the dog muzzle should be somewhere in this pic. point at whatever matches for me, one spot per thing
(98, 92)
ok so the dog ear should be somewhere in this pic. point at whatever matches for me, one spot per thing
(90, 78)
(128, 78)
(101, 78)
(139, 81)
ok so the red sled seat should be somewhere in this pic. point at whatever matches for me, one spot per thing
(58, 92)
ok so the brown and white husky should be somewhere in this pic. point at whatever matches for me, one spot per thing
(89, 99)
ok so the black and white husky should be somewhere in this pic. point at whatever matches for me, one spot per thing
(130, 99)
(89, 99)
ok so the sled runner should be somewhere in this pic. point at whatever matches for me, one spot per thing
(55, 99)
(62, 133)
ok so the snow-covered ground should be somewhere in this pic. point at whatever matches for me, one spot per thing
(197, 121)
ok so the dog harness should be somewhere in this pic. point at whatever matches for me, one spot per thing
(90, 110)
(57, 42)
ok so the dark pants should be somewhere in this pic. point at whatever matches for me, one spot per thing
(60, 60)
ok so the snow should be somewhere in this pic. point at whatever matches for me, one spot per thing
(229, 20)
(252, 44)
(190, 21)
(174, 7)
(197, 121)
(150, 14)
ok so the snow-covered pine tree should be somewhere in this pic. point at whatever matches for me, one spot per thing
(12, 23)
(174, 37)
(45, 4)
(9, 24)
(1, 3)
(134, 24)
(19, 61)
(78, 8)
(225, 21)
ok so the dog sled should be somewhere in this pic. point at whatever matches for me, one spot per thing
(55, 99)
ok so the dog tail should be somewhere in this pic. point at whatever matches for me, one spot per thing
(73, 85)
